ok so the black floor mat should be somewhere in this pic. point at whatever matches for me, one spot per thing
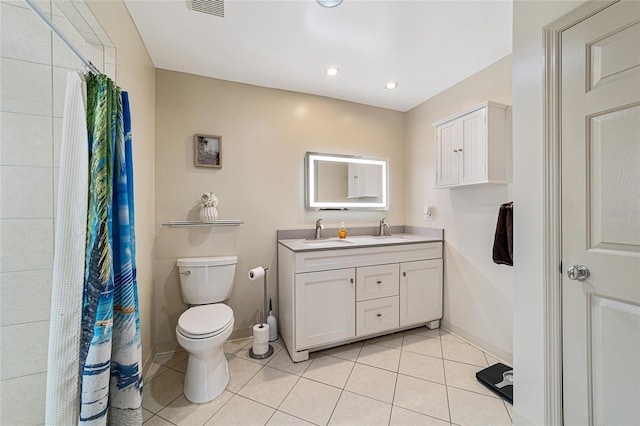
(495, 375)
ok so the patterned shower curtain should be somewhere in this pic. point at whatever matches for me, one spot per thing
(110, 351)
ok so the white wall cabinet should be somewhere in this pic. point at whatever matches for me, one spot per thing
(332, 297)
(474, 146)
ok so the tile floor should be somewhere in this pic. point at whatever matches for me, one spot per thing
(416, 377)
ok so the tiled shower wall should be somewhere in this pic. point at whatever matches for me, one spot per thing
(33, 71)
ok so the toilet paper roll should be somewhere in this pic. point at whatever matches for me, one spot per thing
(256, 273)
(260, 339)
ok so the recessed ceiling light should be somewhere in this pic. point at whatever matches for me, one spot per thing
(391, 85)
(332, 71)
(329, 3)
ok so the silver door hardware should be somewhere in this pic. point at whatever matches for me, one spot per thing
(578, 272)
(185, 273)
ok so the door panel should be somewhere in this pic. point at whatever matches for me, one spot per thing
(601, 217)
(614, 180)
(447, 154)
(614, 330)
(474, 147)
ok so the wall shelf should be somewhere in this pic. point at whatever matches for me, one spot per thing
(188, 223)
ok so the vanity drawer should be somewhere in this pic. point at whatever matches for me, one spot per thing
(374, 316)
(375, 282)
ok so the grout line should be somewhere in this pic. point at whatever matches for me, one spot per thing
(345, 385)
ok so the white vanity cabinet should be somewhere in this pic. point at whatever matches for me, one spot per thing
(473, 147)
(329, 297)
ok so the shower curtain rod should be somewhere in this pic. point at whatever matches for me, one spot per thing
(85, 62)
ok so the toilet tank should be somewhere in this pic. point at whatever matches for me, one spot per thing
(206, 280)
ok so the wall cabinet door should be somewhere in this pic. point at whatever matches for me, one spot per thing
(472, 148)
(447, 153)
(325, 304)
(420, 291)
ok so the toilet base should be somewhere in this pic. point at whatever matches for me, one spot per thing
(206, 378)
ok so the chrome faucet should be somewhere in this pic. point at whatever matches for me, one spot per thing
(319, 228)
(383, 226)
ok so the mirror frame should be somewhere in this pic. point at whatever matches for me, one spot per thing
(309, 175)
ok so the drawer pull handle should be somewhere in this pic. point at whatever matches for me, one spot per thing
(404, 274)
(351, 280)
(378, 315)
(378, 282)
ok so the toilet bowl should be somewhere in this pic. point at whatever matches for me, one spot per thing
(202, 332)
(203, 329)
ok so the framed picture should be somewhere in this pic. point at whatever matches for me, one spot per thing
(208, 151)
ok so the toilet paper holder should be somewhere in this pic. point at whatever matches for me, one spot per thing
(253, 275)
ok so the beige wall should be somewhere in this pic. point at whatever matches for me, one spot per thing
(135, 73)
(265, 134)
(477, 292)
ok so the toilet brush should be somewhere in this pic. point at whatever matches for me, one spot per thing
(261, 348)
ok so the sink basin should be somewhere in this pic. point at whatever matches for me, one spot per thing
(327, 242)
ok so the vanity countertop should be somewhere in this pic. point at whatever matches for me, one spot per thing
(358, 241)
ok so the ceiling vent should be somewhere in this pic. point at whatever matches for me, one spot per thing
(211, 7)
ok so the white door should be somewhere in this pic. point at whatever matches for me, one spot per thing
(325, 307)
(601, 217)
(420, 291)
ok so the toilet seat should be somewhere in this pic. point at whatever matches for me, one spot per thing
(202, 322)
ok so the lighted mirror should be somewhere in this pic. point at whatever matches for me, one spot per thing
(344, 182)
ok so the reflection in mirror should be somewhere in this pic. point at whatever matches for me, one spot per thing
(345, 182)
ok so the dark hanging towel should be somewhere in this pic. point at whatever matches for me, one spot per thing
(503, 242)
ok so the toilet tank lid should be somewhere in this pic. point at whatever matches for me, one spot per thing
(208, 261)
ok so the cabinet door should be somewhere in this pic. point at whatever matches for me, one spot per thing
(420, 291)
(325, 307)
(472, 147)
(447, 153)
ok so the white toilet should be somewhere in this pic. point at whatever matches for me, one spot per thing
(203, 328)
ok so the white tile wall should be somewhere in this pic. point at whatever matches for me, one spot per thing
(33, 72)
(23, 35)
(25, 87)
(24, 349)
(26, 296)
(26, 192)
(25, 139)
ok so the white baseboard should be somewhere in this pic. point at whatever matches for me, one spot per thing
(493, 350)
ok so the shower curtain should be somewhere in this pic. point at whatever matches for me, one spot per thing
(108, 365)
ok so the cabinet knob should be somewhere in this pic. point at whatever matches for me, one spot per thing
(351, 280)
(378, 282)
(455, 150)
(404, 274)
(378, 315)
(459, 149)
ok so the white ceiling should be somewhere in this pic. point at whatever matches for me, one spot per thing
(426, 46)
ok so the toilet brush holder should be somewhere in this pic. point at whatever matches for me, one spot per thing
(260, 348)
